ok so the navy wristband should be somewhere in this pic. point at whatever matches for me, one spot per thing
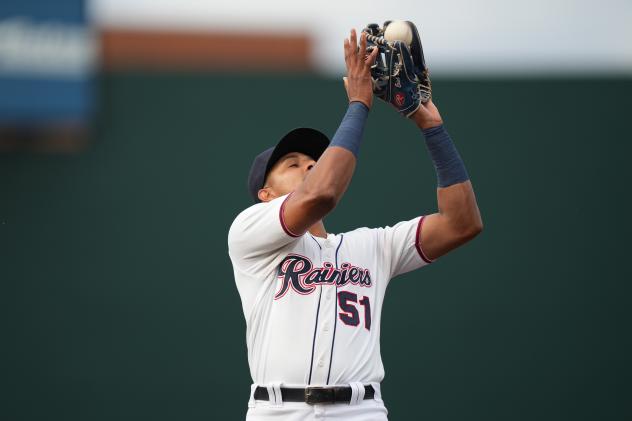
(349, 133)
(446, 159)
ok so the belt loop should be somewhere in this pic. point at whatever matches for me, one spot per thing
(357, 393)
(274, 394)
(251, 401)
(377, 396)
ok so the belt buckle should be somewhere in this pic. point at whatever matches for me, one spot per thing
(313, 393)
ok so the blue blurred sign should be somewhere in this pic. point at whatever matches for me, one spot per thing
(47, 60)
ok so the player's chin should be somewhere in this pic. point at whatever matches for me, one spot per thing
(293, 183)
(291, 187)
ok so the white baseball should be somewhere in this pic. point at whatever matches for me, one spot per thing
(398, 30)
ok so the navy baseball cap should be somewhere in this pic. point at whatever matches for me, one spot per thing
(311, 142)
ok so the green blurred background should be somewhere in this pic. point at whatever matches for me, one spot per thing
(118, 300)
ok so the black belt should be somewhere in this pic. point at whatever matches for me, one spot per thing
(313, 394)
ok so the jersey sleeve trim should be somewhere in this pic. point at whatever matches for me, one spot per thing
(418, 242)
(282, 219)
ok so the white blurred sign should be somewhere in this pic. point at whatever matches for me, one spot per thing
(58, 49)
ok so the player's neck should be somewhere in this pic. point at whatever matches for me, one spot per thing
(318, 230)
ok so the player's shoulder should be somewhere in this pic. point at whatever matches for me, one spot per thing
(250, 210)
(252, 214)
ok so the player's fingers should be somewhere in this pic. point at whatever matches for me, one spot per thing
(353, 41)
(370, 59)
(346, 83)
(362, 46)
(347, 49)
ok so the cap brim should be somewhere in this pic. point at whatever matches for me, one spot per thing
(305, 140)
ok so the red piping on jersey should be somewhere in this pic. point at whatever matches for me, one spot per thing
(282, 218)
(418, 242)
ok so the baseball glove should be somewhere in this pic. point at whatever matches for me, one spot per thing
(399, 74)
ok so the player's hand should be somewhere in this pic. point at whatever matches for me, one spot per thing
(427, 116)
(358, 81)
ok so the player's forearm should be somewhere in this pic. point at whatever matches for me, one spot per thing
(330, 177)
(455, 195)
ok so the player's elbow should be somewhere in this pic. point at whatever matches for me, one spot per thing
(466, 228)
(327, 200)
(476, 228)
(472, 228)
(473, 222)
(478, 222)
(322, 201)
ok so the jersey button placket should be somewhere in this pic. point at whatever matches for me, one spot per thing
(326, 321)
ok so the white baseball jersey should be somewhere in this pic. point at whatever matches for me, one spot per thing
(313, 305)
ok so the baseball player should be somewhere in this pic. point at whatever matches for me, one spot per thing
(312, 299)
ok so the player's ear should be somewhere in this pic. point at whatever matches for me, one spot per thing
(265, 195)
